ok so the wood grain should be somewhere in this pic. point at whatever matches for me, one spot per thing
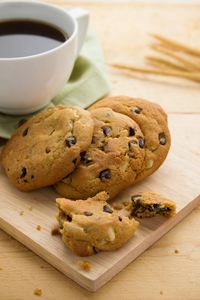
(159, 273)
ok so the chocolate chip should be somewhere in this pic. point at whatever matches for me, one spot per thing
(48, 149)
(105, 174)
(85, 160)
(131, 131)
(150, 208)
(21, 122)
(25, 132)
(70, 141)
(82, 154)
(95, 250)
(94, 139)
(32, 176)
(135, 197)
(120, 219)
(136, 109)
(25, 180)
(88, 213)
(74, 161)
(136, 207)
(136, 200)
(69, 218)
(165, 209)
(107, 209)
(23, 172)
(131, 143)
(162, 138)
(106, 130)
(141, 142)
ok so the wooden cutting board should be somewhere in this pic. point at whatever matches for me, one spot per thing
(178, 179)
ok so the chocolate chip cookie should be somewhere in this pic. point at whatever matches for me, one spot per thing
(152, 121)
(148, 204)
(113, 160)
(47, 147)
(92, 225)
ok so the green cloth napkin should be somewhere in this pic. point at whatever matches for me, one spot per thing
(87, 84)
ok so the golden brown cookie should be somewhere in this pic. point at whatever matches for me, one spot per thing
(148, 204)
(47, 147)
(92, 225)
(113, 160)
(152, 121)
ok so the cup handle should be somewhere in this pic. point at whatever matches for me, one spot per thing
(82, 17)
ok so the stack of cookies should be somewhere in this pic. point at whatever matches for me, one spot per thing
(130, 141)
(115, 143)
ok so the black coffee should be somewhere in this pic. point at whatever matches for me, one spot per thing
(20, 38)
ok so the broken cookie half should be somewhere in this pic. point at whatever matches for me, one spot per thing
(148, 204)
(92, 225)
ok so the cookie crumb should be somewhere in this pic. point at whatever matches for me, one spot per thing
(30, 208)
(85, 265)
(129, 207)
(38, 292)
(118, 206)
(161, 292)
(21, 213)
(176, 251)
(38, 227)
(126, 203)
(55, 230)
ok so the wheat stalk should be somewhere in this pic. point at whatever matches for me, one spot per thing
(177, 46)
(182, 74)
(176, 64)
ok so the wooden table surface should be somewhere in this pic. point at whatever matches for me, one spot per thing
(171, 268)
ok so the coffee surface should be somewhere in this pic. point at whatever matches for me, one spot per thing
(19, 38)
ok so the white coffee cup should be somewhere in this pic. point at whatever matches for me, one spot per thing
(27, 84)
